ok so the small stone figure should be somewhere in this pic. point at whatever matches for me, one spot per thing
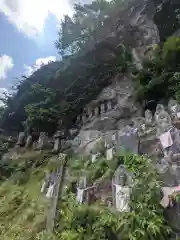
(174, 108)
(96, 111)
(21, 139)
(89, 113)
(148, 118)
(109, 105)
(29, 141)
(102, 108)
(57, 142)
(159, 109)
(84, 118)
(163, 121)
(42, 140)
(121, 190)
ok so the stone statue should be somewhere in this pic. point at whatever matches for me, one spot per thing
(122, 176)
(21, 139)
(57, 141)
(174, 108)
(78, 119)
(159, 108)
(89, 112)
(148, 117)
(109, 105)
(29, 141)
(102, 108)
(96, 111)
(163, 121)
(42, 141)
(84, 118)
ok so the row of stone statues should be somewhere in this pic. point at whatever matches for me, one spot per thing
(43, 141)
(98, 110)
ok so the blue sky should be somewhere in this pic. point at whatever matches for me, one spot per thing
(28, 31)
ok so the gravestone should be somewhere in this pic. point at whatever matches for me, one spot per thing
(128, 139)
(122, 199)
(121, 181)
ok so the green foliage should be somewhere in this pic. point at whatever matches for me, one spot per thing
(88, 222)
(43, 113)
(159, 78)
(145, 220)
(22, 208)
(146, 217)
(75, 32)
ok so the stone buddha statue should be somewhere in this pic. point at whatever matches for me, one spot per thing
(159, 109)
(148, 118)
(174, 109)
(163, 120)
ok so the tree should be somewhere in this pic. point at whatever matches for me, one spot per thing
(43, 113)
(75, 32)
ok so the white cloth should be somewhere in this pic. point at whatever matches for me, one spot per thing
(173, 108)
(80, 195)
(50, 191)
(43, 187)
(167, 191)
(166, 139)
(178, 114)
(94, 157)
(122, 198)
(113, 137)
(109, 154)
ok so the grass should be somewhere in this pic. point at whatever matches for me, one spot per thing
(22, 207)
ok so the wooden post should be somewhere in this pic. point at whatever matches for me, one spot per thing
(52, 214)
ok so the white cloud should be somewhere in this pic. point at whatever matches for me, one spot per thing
(6, 64)
(29, 70)
(29, 15)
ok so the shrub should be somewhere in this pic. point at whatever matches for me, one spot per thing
(159, 79)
